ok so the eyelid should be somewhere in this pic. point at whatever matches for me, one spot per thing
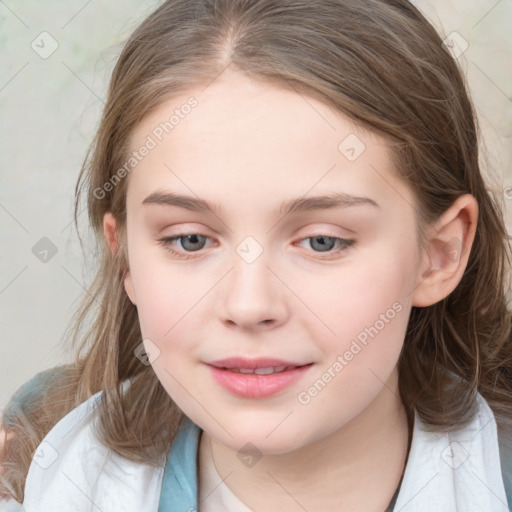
(325, 228)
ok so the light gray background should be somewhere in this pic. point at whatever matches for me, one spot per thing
(50, 108)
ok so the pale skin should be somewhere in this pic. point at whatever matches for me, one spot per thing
(250, 146)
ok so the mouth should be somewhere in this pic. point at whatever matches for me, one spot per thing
(261, 365)
(256, 379)
(261, 371)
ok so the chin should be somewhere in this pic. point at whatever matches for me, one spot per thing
(256, 438)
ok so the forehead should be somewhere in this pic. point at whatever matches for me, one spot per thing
(255, 140)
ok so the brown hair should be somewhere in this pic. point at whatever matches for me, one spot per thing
(382, 64)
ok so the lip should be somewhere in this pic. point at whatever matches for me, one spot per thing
(251, 364)
(253, 385)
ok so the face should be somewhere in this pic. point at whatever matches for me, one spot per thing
(324, 289)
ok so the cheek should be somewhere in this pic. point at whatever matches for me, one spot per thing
(170, 298)
(363, 308)
(158, 293)
(359, 291)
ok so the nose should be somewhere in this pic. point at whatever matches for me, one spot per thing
(253, 296)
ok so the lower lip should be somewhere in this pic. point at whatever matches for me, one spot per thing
(251, 385)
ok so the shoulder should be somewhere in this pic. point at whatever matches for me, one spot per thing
(495, 446)
(501, 447)
(465, 462)
(10, 505)
(71, 469)
(506, 468)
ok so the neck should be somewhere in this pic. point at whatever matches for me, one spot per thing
(358, 467)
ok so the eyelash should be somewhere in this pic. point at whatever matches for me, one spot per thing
(167, 241)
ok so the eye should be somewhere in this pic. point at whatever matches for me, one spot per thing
(190, 242)
(325, 244)
(194, 242)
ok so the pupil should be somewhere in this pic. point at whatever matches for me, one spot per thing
(322, 245)
(193, 239)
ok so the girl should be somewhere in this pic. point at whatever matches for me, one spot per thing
(301, 303)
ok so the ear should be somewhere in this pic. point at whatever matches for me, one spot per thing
(111, 236)
(110, 232)
(446, 255)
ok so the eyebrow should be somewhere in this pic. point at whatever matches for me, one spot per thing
(301, 204)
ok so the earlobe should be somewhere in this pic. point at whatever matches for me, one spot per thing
(447, 252)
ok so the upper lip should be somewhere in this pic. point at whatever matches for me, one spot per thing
(251, 364)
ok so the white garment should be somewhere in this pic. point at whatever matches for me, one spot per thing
(10, 505)
(73, 472)
(456, 472)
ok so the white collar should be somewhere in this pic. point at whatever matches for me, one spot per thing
(456, 471)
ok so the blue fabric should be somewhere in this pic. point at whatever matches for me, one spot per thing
(179, 485)
(29, 395)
